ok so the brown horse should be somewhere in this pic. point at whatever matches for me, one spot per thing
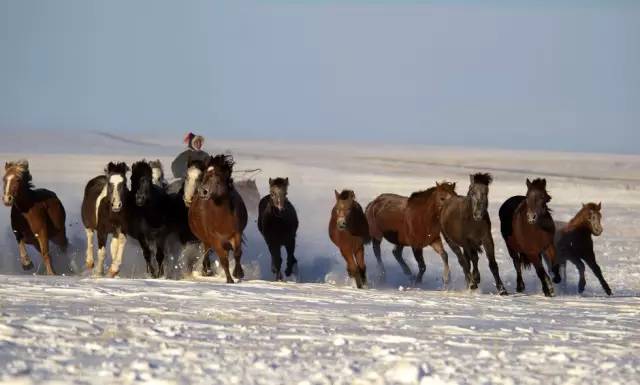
(349, 230)
(528, 231)
(466, 227)
(574, 243)
(413, 222)
(217, 214)
(37, 215)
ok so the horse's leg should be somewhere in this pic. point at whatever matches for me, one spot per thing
(397, 253)
(462, 260)
(89, 254)
(474, 261)
(551, 259)
(582, 282)
(439, 248)
(102, 251)
(489, 250)
(160, 243)
(146, 252)
(362, 268)
(43, 242)
(116, 260)
(375, 243)
(276, 259)
(236, 244)
(25, 261)
(468, 255)
(352, 268)
(422, 267)
(223, 256)
(517, 265)
(593, 265)
(206, 262)
(547, 286)
(292, 262)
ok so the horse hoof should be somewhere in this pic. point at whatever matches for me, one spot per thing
(28, 266)
(113, 274)
(238, 273)
(557, 279)
(290, 269)
(608, 291)
(89, 265)
(278, 277)
(502, 291)
(229, 280)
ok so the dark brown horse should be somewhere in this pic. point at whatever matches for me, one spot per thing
(466, 227)
(410, 221)
(574, 243)
(349, 230)
(217, 214)
(37, 215)
(104, 211)
(528, 231)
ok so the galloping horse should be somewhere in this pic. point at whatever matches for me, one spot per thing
(574, 243)
(528, 230)
(410, 221)
(104, 210)
(217, 214)
(466, 227)
(278, 224)
(37, 215)
(157, 174)
(349, 230)
(147, 215)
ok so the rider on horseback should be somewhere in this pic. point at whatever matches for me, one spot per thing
(193, 152)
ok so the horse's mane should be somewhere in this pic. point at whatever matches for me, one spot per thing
(140, 168)
(21, 168)
(540, 184)
(426, 194)
(279, 182)
(482, 178)
(222, 161)
(116, 168)
(196, 163)
(346, 194)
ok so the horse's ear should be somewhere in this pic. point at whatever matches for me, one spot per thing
(7, 165)
(528, 183)
(24, 164)
(353, 195)
(286, 181)
(437, 184)
(599, 206)
(270, 182)
(544, 183)
(583, 205)
(337, 194)
(471, 179)
(453, 187)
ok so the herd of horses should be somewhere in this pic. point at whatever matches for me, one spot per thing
(205, 207)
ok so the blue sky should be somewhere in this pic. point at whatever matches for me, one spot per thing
(515, 74)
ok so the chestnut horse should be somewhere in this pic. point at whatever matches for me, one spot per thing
(349, 230)
(466, 227)
(37, 215)
(574, 243)
(104, 210)
(217, 214)
(528, 230)
(410, 221)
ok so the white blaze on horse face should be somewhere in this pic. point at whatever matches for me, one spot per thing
(116, 180)
(7, 187)
(190, 184)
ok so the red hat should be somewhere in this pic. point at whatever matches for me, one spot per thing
(189, 137)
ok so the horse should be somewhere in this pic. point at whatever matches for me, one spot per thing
(574, 243)
(278, 224)
(410, 221)
(104, 211)
(349, 230)
(217, 214)
(37, 215)
(528, 230)
(157, 174)
(466, 228)
(147, 215)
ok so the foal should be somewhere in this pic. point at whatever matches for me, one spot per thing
(574, 243)
(528, 230)
(104, 210)
(466, 227)
(410, 221)
(278, 224)
(37, 215)
(349, 230)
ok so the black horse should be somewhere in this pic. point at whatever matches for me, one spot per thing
(278, 223)
(147, 215)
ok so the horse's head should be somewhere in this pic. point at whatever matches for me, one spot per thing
(590, 216)
(195, 172)
(344, 204)
(278, 189)
(16, 177)
(157, 173)
(217, 180)
(443, 192)
(116, 185)
(537, 199)
(479, 194)
(141, 181)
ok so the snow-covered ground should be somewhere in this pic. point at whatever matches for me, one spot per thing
(82, 329)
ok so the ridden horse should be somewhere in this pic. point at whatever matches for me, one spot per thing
(147, 215)
(278, 224)
(466, 227)
(157, 174)
(104, 210)
(349, 230)
(37, 215)
(410, 221)
(528, 230)
(217, 214)
(574, 243)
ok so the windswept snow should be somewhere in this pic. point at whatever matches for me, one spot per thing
(77, 328)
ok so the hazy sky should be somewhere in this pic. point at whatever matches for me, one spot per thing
(540, 74)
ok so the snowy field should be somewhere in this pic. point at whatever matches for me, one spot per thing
(77, 328)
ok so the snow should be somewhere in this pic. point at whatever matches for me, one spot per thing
(81, 329)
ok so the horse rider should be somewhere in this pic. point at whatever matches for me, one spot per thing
(193, 152)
